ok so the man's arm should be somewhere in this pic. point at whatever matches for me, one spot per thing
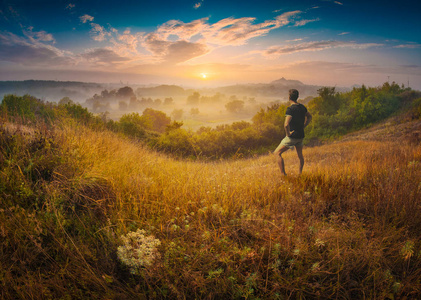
(288, 119)
(308, 119)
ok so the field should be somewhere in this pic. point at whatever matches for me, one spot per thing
(347, 228)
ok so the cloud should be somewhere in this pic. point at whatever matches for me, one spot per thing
(127, 43)
(353, 69)
(182, 51)
(182, 30)
(228, 31)
(286, 18)
(343, 33)
(30, 51)
(174, 52)
(104, 56)
(42, 35)
(198, 4)
(337, 2)
(86, 18)
(408, 46)
(98, 33)
(70, 6)
(176, 41)
(315, 46)
(232, 31)
(304, 22)
(294, 40)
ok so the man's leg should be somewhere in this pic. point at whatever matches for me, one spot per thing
(278, 152)
(299, 150)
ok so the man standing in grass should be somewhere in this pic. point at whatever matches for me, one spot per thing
(296, 119)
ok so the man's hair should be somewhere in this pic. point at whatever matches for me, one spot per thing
(293, 95)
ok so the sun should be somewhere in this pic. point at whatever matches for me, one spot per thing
(204, 75)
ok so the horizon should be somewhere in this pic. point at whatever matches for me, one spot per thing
(204, 44)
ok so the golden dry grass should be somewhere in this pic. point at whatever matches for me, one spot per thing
(348, 227)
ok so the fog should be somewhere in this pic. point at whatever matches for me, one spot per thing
(194, 107)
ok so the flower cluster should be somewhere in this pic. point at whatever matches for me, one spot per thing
(138, 250)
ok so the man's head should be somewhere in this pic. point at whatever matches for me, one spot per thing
(293, 95)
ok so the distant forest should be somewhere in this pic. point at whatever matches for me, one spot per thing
(53, 91)
(334, 114)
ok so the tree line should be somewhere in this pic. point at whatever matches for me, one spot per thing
(334, 114)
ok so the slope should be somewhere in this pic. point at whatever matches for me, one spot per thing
(348, 227)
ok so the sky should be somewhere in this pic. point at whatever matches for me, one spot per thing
(204, 43)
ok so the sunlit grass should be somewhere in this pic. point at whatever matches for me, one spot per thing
(348, 227)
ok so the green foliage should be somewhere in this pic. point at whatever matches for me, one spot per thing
(157, 119)
(327, 103)
(65, 100)
(348, 228)
(28, 108)
(235, 140)
(416, 109)
(173, 126)
(78, 112)
(336, 114)
(274, 114)
(177, 142)
(134, 125)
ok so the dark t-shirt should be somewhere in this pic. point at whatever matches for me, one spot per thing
(298, 114)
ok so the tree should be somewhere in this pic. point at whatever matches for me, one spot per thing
(158, 119)
(125, 92)
(177, 114)
(134, 103)
(194, 111)
(122, 105)
(235, 106)
(157, 102)
(134, 124)
(326, 103)
(173, 126)
(65, 100)
(168, 101)
(193, 99)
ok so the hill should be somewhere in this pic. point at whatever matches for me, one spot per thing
(278, 88)
(88, 213)
(51, 90)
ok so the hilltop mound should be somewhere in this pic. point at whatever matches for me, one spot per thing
(86, 212)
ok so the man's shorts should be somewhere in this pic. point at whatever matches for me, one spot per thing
(291, 142)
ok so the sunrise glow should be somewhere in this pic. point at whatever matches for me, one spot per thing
(161, 42)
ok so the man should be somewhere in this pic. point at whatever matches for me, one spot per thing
(296, 119)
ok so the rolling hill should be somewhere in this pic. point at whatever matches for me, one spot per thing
(88, 213)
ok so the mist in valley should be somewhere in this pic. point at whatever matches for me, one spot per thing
(194, 107)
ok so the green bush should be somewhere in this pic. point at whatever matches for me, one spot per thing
(28, 109)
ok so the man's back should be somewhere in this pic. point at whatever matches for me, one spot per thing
(298, 114)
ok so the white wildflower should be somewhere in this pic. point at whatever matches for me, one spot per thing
(319, 243)
(138, 250)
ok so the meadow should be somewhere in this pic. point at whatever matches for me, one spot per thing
(347, 228)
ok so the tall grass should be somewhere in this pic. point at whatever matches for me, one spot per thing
(347, 228)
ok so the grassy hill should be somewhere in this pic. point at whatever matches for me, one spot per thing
(70, 195)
